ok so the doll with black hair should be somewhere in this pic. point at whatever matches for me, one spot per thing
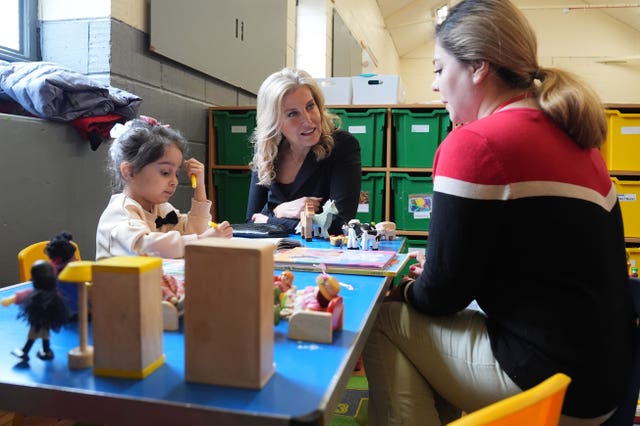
(42, 307)
(61, 251)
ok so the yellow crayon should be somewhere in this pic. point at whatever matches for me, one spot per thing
(193, 181)
(213, 225)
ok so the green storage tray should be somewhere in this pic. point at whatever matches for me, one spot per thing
(232, 193)
(232, 132)
(417, 135)
(412, 201)
(367, 126)
(371, 202)
(417, 243)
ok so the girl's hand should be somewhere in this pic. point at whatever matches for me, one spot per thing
(292, 209)
(195, 168)
(222, 230)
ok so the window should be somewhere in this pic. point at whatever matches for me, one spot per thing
(18, 30)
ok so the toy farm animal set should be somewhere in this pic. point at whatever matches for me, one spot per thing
(357, 235)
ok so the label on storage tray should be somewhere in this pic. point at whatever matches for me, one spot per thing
(419, 128)
(363, 204)
(420, 206)
(630, 130)
(238, 129)
(627, 197)
(357, 129)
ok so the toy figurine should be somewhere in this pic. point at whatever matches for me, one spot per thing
(322, 221)
(276, 305)
(314, 224)
(305, 227)
(318, 311)
(387, 230)
(61, 252)
(370, 238)
(353, 233)
(337, 240)
(284, 290)
(42, 307)
(284, 281)
(328, 288)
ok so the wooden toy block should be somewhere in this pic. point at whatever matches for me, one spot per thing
(228, 313)
(317, 326)
(312, 326)
(306, 222)
(170, 316)
(126, 316)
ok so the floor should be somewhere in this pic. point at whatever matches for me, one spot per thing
(6, 419)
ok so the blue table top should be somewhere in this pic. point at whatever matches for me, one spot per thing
(309, 377)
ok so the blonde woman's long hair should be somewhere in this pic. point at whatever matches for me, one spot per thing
(267, 136)
(497, 32)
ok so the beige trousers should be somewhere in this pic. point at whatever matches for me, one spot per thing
(425, 370)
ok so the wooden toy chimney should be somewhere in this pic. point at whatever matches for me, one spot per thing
(127, 316)
(228, 313)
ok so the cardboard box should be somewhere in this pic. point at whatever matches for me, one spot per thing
(336, 90)
(378, 90)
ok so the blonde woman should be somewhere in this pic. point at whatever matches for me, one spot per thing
(299, 156)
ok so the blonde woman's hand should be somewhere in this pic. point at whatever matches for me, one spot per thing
(292, 209)
(259, 218)
(222, 230)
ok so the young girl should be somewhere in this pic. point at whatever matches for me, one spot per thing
(144, 162)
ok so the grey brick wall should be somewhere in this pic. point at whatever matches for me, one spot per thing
(59, 182)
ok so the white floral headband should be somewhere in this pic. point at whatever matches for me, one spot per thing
(119, 129)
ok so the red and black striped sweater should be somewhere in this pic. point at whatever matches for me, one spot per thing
(528, 224)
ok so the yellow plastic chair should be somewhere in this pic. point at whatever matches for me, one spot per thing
(34, 252)
(539, 406)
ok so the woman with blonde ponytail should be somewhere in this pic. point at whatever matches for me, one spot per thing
(526, 224)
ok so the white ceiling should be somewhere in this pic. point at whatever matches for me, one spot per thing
(410, 22)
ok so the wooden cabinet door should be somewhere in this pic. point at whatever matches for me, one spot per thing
(239, 42)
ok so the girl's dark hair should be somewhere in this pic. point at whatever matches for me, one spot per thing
(142, 143)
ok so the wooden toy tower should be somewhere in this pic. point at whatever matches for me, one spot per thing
(228, 313)
(127, 316)
(306, 221)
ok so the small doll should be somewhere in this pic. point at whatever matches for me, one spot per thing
(42, 307)
(328, 288)
(317, 298)
(284, 281)
(172, 290)
(61, 252)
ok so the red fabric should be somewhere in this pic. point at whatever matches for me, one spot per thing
(101, 124)
(96, 128)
